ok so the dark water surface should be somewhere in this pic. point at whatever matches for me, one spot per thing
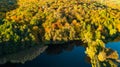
(54, 56)
(73, 58)
(67, 55)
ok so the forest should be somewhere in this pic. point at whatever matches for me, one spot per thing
(27, 23)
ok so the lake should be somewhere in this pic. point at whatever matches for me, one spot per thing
(65, 55)
(114, 46)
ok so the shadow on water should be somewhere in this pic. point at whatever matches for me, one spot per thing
(59, 48)
(8, 65)
(60, 55)
(70, 54)
(21, 57)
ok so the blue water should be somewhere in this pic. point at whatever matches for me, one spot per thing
(67, 58)
(62, 56)
(114, 46)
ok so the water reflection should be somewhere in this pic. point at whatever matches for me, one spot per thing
(60, 55)
(114, 46)
(59, 48)
(110, 58)
(71, 54)
(22, 56)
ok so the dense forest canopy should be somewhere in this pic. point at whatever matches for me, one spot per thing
(27, 23)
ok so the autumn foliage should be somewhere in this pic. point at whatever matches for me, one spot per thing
(44, 21)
